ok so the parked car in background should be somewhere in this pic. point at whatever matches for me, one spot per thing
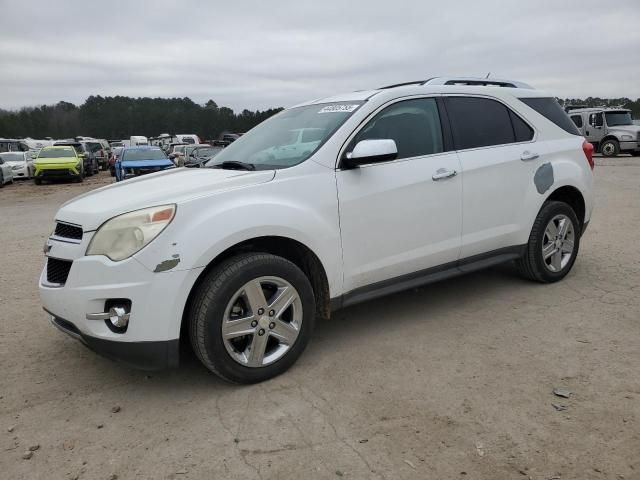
(88, 157)
(13, 145)
(610, 130)
(6, 172)
(181, 153)
(406, 185)
(101, 150)
(136, 161)
(115, 153)
(21, 163)
(59, 162)
(199, 155)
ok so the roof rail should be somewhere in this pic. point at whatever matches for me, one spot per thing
(474, 81)
(471, 81)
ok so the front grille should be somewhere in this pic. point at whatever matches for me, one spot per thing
(58, 270)
(143, 171)
(57, 172)
(66, 230)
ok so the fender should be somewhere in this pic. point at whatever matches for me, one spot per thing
(205, 227)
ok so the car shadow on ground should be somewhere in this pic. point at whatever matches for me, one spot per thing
(408, 309)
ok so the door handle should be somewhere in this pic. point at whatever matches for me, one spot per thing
(442, 174)
(527, 155)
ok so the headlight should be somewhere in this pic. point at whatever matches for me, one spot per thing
(124, 235)
(17, 167)
(626, 138)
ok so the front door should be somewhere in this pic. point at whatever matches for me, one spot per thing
(402, 216)
(594, 130)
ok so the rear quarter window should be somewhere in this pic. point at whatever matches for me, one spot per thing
(550, 109)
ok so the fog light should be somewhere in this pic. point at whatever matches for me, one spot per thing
(118, 317)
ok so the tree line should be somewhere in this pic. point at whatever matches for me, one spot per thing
(120, 117)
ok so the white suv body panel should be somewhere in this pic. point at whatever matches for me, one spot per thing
(365, 225)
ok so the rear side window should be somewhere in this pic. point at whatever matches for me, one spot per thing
(480, 122)
(577, 119)
(521, 130)
(552, 111)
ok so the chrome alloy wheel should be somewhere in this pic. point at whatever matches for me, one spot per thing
(262, 321)
(558, 243)
(608, 149)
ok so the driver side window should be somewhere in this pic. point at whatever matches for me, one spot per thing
(413, 124)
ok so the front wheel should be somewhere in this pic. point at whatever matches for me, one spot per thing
(251, 317)
(37, 180)
(553, 244)
(609, 148)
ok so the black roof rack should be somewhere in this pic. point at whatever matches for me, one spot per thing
(417, 82)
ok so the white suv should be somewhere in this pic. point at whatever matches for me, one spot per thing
(401, 186)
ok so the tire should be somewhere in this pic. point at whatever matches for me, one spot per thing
(532, 265)
(609, 148)
(1, 180)
(37, 180)
(212, 306)
(635, 153)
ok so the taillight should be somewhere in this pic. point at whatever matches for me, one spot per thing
(587, 148)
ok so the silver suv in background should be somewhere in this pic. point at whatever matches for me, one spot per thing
(610, 130)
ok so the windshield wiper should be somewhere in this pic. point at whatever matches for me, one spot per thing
(234, 165)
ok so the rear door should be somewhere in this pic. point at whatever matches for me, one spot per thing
(401, 216)
(498, 158)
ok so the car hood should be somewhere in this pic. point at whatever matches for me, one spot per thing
(168, 186)
(633, 129)
(45, 161)
(146, 163)
(13, 163)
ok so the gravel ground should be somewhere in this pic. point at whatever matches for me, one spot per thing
(453, 380)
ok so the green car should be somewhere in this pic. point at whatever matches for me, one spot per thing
(58, 162)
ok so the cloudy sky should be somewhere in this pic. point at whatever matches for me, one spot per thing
(258, 54)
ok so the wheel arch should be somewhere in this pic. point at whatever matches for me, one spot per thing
(572, 197)
(293, 250)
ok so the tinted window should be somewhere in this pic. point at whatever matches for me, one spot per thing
(521, 130)
(143, 154)
(413, 124)
(479, 122)
(552, 111)
(577, 119)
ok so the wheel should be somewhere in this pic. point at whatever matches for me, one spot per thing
(37, 180)
(1, 180)
(251, 317)
(553, 244)
(609, 148)
(635, 153)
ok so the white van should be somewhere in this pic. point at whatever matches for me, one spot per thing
(138, 140)
(189, 138)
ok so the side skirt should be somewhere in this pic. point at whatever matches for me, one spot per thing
(429, 275)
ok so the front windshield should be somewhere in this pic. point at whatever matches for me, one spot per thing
(288, 138)
(12, 156)
(143, 154)
(56, 153)
(618, 118)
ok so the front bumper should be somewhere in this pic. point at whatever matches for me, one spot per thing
(22, 172)
(157, 303)
(142, 355)
(57, 170)
(630, 146)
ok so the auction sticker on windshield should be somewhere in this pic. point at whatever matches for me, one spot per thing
(338, 109)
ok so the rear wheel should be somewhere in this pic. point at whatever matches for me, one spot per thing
(609, 148)
(553, 244)
(252, 317)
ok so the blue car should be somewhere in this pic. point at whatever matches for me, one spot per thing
(136, 161)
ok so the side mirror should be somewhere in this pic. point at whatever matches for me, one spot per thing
(371, 151)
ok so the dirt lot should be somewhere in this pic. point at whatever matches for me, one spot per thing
(453, 380)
